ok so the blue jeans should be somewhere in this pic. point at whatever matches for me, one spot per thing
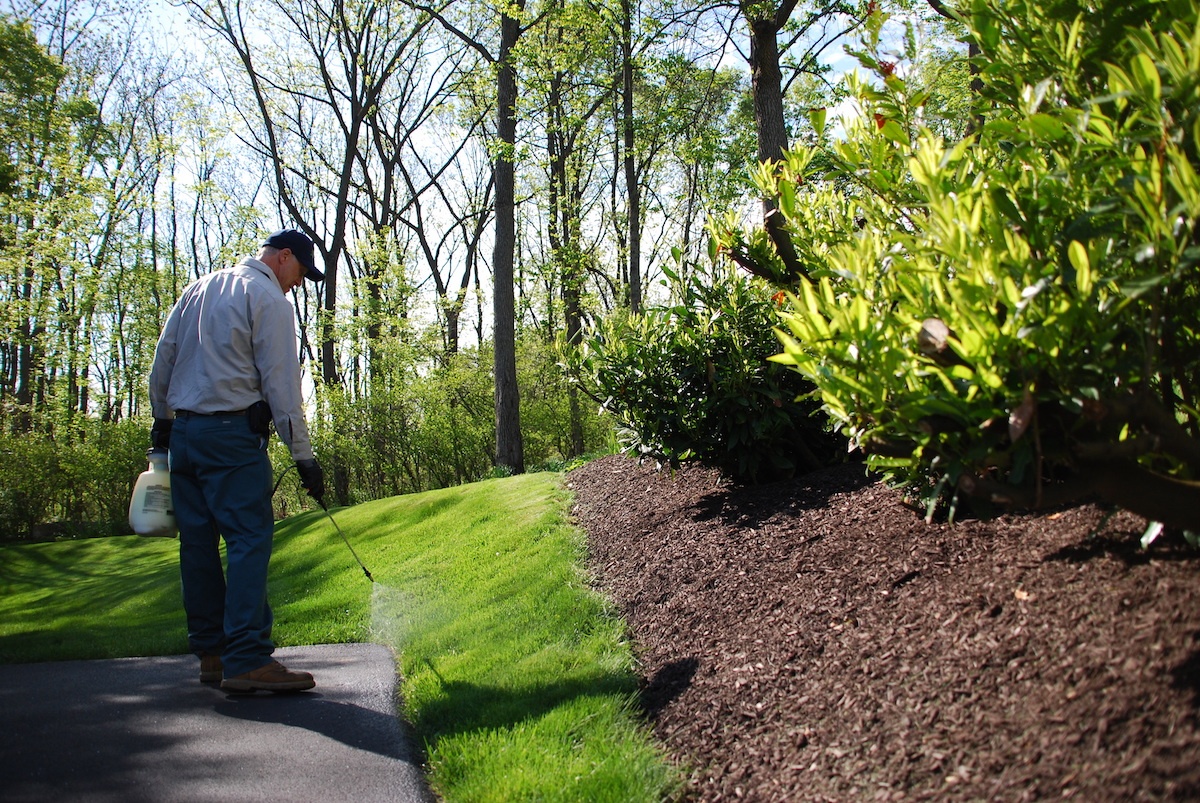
(221, 488)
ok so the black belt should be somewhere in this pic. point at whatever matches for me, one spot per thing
(189, 413)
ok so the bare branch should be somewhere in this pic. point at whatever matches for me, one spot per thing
(466, 38)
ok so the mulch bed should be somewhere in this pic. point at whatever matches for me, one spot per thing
(816, 640)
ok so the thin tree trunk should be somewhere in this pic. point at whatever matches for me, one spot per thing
(632, 191)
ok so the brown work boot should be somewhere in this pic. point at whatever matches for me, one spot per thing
(272, 677)
(210, 669)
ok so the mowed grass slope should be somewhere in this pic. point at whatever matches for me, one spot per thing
(515, 675)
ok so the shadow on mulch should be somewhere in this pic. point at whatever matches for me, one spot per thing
(1186, 676)
(1128, 551)
(670, 681)
(752, 505)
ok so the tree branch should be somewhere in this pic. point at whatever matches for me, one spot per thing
(1120, 482)
(451, 28)
(1142, 409)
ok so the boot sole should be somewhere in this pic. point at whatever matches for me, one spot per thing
(251, 686)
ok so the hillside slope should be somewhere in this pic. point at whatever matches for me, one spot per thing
(816, 640)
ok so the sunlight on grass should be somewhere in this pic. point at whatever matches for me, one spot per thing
(515, 676)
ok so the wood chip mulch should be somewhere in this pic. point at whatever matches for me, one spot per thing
(816, 640)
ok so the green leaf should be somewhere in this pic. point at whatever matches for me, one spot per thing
(787, 198)
(817, 118)
(1145, 76)
(1004, 204)
(889, 462)
(1046, 126)
(1078, 255)
(894, 132)
(1135, 288)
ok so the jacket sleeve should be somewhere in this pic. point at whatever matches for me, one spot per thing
(275, 357)
(164, 366)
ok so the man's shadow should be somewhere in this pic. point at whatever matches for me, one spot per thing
(350, 724)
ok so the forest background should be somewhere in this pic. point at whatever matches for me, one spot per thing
(486, 183)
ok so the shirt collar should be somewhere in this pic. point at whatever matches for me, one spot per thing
(261, 267)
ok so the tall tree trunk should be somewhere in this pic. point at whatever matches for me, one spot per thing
(766, 78)
(510, 449)
(632, 191)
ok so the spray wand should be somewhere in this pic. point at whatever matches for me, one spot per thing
(347, 540)
(321, 502)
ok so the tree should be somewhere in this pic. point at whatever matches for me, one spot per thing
(766, 21)
(80, 163)
(31, 123)
(514, 22)
(311, 118)
(510, 451)
(449, 183)
(633, 190)
(573, 87)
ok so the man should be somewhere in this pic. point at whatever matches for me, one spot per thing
(225, 366)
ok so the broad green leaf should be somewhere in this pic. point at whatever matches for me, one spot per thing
(894, 132)
(1135, 288)
(809, 298)
(889, 462)
(1145, 76)
(990, 378)
(1078, 255)
(787, 198)
(817, 118)
(1047, 126)
(1004, 204)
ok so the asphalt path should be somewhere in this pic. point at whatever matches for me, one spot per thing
(146, 729)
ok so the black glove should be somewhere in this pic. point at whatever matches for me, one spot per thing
(160, 433)
(312, 478)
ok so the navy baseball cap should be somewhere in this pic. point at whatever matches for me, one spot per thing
(301, 246)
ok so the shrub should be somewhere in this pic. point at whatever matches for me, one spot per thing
(692, 380)
(75, 482)
(420, 427)
(547, 408)
(1013, 317)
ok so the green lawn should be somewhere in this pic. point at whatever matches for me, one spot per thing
(515, 675)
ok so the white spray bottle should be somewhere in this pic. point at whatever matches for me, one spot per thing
(151, 512)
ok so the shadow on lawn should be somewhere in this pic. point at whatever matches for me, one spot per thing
(467, 707)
